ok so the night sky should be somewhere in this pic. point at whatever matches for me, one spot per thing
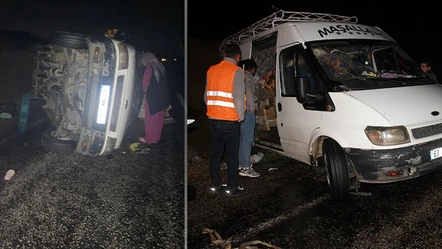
(414, 26)
(157, 26)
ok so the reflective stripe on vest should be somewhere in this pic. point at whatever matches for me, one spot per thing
(219, 92)
(220, 102)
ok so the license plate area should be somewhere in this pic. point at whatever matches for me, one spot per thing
(436, 153)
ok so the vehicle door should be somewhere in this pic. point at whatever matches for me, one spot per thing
(296, 122)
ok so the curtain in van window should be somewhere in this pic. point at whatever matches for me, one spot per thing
(304, 71)
(287, 72)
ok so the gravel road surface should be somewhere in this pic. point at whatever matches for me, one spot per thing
(124, 200)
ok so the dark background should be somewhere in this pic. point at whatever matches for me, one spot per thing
(414, 26)
(156, 26)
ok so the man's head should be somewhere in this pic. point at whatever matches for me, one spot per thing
(425, 66)
(249, 65)
(110, 33)
(232, 51)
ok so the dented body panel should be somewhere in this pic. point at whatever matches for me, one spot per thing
(373, 166)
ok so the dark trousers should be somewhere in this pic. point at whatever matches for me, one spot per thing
(224, 134)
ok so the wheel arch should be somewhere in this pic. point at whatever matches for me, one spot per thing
(315, 144)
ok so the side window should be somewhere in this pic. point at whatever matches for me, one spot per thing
(293, 64)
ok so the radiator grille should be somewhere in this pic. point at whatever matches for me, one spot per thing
(427, 131)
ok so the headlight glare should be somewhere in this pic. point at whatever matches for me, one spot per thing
(385, 136)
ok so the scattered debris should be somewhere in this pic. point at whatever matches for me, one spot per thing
(5, 115)
(139, 148)
(9, 174)
(217, 240)
(270, 169)
(256, 157)
(9, 108)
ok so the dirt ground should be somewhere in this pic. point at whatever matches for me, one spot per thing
(267, 196)
(283, 181)
(123, 200)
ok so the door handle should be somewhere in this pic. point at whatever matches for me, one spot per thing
(279, 106)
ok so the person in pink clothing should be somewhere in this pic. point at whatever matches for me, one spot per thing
(156, 99)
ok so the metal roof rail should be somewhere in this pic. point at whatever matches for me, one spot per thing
(282, 16)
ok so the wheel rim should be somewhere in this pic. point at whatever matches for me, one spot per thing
(52, 134)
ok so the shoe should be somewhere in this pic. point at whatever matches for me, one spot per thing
(240, 167)
(238, 191)
(217, 189)
(9, 174)
(249, 172)
(141, 140)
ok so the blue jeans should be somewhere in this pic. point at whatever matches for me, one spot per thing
(246, 139)
(224, 134)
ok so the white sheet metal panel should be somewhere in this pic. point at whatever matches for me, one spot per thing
(313, 31)
(409, 106)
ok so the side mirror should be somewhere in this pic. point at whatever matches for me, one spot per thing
(302, 87)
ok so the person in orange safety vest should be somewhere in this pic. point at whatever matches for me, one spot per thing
(224, 98)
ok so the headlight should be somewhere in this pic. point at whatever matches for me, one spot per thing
(387, 135)
(123, 56)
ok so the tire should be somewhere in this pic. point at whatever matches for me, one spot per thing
(70, 40)
(59, 146)
(336, 169)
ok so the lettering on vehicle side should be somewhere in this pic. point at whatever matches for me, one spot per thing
(349, 30)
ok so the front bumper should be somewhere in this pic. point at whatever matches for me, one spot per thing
(394, 165)
(94, 143)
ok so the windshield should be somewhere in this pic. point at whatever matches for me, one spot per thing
(362, 64)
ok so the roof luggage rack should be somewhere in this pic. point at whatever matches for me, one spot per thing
(282, 16)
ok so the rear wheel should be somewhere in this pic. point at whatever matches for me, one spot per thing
(336, 169)
(49, 142)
